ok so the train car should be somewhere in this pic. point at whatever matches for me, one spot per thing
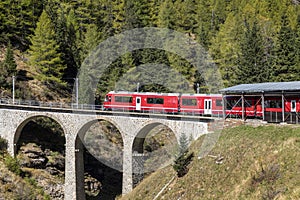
(202, 104)
(143, 102)
(273, 109)
(157, 102)
(217, 104)
(119, 101)
(193, 104)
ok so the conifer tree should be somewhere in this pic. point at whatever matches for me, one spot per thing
(44, 55)
(8, 68)
(9, 63)
(166, 15)
(183, 144)
(118, 7)
(252, 66)
(225, 48)
(286, 66)
(184, 158)
(17, 20)
(90, 41)
(185, 16)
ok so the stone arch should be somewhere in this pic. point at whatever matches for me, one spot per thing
(90, 122)
(157, 156)
(80, 153)
(148, 126)
(25, 121)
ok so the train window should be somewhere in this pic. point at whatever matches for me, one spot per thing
(189, 102)
(219, 102)
(273, 104)
(155, 100)
(123, 99)
(107, 98)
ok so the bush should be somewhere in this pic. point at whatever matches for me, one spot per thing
(181, 164)
(13, 165)
(183, 160)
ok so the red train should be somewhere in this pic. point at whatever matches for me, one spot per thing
(201, 104)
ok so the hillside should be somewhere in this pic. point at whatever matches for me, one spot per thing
(27, 87)
(13, 186)
(259, 163)
(250, 41)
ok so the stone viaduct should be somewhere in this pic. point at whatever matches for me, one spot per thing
(74, 124)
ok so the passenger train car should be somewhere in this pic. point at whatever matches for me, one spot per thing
(201, 104)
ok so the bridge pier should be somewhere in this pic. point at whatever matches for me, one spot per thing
(70, 168)
(127, 168)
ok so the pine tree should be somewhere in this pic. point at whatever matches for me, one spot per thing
(225, 48)
(286, 59)
(44, 55)
(17, 20)
(166, 15)
(90, 41)
(9, 63)
(8, 68)
(252, 66)
(137, 14)
(184, 158)
(183, 144)
(185, 16)
(118, 7)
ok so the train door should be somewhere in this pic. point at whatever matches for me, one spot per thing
(293, 106)
(138, 103)
(207, 106)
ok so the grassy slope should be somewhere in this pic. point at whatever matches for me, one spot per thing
(259, 163)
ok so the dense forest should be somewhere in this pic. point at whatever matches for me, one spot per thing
(250, 41)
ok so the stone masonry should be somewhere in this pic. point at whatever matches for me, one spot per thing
(12, 122)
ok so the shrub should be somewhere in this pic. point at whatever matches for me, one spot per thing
(183, 160)
(13, 165)
(181, 164)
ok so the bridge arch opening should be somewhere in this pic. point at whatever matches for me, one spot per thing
(99, 160)
(154, 147)
(39, 146)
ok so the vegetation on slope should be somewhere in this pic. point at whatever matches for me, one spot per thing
(16, 183)
(249, 40)
(257, 163)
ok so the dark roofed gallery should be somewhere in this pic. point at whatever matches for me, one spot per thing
(277, 102)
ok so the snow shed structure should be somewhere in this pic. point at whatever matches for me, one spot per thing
(272, 101)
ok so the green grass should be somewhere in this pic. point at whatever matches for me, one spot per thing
(259, 163)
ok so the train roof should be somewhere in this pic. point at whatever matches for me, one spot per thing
(143, 93)
(201, 95)
(165, 94)
(269, 87)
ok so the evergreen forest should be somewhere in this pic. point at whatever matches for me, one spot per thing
(45, 42)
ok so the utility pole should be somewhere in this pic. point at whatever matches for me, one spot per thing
(76, 91)
(13, 89)
(137, 87)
